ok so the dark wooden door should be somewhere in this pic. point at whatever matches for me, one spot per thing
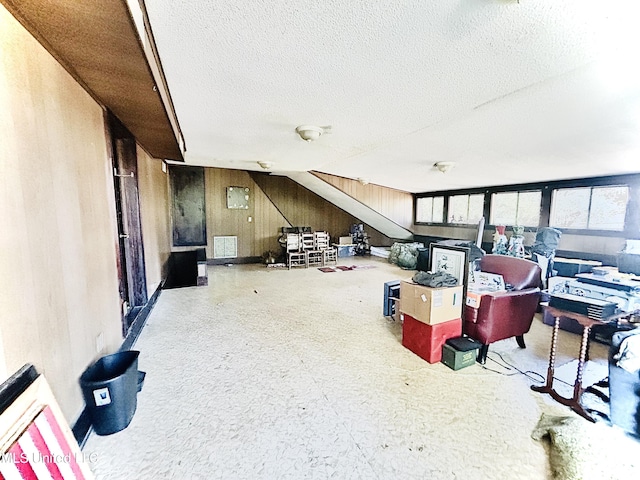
(132, 274)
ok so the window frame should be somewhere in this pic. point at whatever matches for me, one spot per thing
(631, 225)
(587, 229)
(444, 209)
(468, 195)
(527, 228)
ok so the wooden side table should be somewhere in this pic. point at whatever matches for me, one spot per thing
(587, 323)
(574, 401)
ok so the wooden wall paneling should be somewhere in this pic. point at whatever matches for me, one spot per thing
(301, 207)
(394, 204)
(267, 229)
(58, 281)
(258, 219)
(255, 237)
(274, 202)
(238, 219)
(267, 221)
(153, 184)
(215, 206)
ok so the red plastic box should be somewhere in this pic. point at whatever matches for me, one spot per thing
(426, 341)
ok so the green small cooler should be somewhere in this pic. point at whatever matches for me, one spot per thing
(459, 352)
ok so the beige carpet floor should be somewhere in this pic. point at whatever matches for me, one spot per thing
(295, 374)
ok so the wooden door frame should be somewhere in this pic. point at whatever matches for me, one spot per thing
(132, 281)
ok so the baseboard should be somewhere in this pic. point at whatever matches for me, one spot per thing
(82, 427)
(16, 384)
(239, 260)
(140, 320)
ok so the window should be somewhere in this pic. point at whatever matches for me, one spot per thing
(592, 208)
(516, 208)
(430, 210)
(466, 209)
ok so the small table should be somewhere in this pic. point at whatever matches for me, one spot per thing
(587, 323)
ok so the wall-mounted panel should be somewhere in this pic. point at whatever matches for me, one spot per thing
(188, 209)
(225, 247)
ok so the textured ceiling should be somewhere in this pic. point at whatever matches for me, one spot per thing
(512, 92)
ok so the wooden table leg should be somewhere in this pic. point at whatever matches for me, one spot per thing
(573, 402)
(577, 386)
(548, 387)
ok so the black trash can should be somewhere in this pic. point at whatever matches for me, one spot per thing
(110, 388)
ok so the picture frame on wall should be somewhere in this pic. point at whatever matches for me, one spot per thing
(238, 198)
(453, 260)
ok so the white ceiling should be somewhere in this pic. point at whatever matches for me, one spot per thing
(511, 91)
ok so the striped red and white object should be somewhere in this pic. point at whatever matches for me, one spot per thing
(42, 452)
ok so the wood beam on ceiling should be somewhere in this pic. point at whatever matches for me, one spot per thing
(98, 44)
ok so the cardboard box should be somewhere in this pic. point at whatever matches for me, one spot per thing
(456, 359)
(431, 305)
(345, 240)
(426, 341)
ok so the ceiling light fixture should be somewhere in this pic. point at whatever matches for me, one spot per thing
(265, 165)
(309, 133)
(444, 167)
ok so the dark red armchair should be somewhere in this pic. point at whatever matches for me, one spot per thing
(504, 314)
